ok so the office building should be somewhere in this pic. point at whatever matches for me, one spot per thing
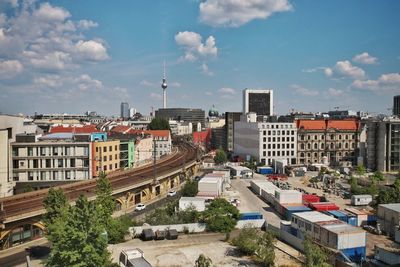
(327, 141)
(258, 101)
(230, 119)
(195, 116)
(396, 105)
(265, 141)
(124, 110)
(383, 144)
(41, 161)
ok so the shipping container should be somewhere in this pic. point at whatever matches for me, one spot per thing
(355, 254)
(211, 186)
(265, 170)
(289, 210)
(342, 236)
(250, 216)
(309, 198)
(361, 200)
(257, 185)
(362, 216)
(337, 214)
(351, 218)
(289, 196)
(323, 206)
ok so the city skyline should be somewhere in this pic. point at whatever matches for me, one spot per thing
(95, 55)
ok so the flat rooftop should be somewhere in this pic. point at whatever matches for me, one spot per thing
(343, 228)
(314, 216)
(392, 206)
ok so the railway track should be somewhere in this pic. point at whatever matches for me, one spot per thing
(33, 201)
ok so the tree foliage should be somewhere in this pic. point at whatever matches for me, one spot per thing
(220, 156)
(203, 261)
(360, 169)
(315, 255)
(190, 189)
(253, 242)
(221, 216)
(158, 124)
(56, 206)
(390, 194)
(378, 176)
(82, 242)
(105, 202)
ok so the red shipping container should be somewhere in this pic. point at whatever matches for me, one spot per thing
(323, 206)
(311, 198)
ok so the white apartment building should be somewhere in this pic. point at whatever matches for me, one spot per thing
(56, 157)
(265, 141)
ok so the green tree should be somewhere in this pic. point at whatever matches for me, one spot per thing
(360, 169)
(56, 206)
(28, 188)
(118, 228)
(83, 241)
(246, 241)
(104, 202)
(220, 157)
(158, 124)
(203, 261)
(315, 255)
(378, 176)
(221, 216)
(190, 189)
(265, 252)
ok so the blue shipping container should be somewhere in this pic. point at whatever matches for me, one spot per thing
(338, 215)
(294, 209)
(265, 170)
(355, 254)
(372, 218)
(251, 216)
(352, 221)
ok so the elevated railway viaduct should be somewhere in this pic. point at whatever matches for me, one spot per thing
(20, 214)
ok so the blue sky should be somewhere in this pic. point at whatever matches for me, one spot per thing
(74, 56)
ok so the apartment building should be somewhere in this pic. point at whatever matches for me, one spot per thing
(54, 157)
(265, 141)
(327, 141)
(106, 154)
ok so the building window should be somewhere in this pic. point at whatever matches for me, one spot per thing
(42, 151)
(110, 167)
(104, 149)
(116, 156)
(279, 139)
(105, 167)
(116, 147)
(315, 137)
(60, 163)
(116, 165)
(110, 148)
(104, 158)
(315, 155)
(35, 164)
(48, 163)
(30, 151)
(55, 175)
(346, 145)
(67, 151)
(110, 157)
(302, 146)
(72, 163)
(315, 146)
(264, 132)
(264, 153)
(97, 149)
(332, 137)
(308, 146)
(68, 175)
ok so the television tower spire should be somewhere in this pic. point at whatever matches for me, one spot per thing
(164, 87)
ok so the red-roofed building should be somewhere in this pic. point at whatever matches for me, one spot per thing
(203, 139)
(78, 129)
(327, 141)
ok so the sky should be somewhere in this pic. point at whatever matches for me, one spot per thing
(76, 56)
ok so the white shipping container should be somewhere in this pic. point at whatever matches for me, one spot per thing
(361, 200)
(342, 236)
(211, 185)
(289, 196)
(257, 185)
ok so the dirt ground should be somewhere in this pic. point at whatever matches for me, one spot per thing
(185, 251)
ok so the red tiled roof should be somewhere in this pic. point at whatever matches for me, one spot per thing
(328, 124)
(120, 129)
(74, 129)
(343, 124)
(311, 124)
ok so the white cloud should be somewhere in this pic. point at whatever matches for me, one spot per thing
(205, 70)
(87, 24)
(227, 90)
(49, 13)
(155, 96)
(10, 68)
(92, 50)
(54, 61)
(386, 82)
(208, 93)
(86, 82)
(234, 13)
(335, 92)
(304, 91)
(193, 47)
(345, 69)
(147, 83)
(365, 58)
(49, 81)
(174, 84)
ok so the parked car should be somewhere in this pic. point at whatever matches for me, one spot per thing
(171, 193)
(140, 206)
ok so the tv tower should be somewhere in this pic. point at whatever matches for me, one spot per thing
(164, 87)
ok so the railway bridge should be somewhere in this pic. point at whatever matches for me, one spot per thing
(20, 214)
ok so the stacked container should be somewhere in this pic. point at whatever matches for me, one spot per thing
(323, 206)
(310, 198)
(362, 216)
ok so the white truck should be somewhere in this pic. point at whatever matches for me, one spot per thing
(133, 258)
